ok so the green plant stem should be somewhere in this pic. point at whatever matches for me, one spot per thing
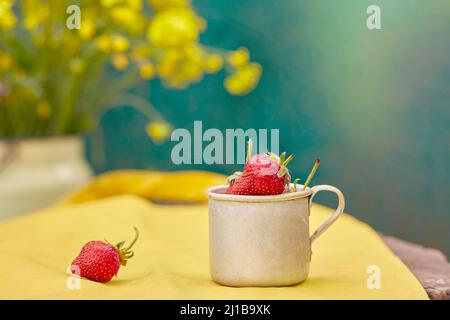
(312, 173)
(249, 150)
(136, 236)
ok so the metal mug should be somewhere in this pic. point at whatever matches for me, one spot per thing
(263, 240)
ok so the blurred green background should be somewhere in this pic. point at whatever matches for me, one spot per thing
(373, 105)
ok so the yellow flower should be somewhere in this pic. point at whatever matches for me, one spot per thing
(159, 5)
(239, 58)
(119, 43)
(5, 61)
(35, 13)
(109, 3)
(43, 110)
(173, 28)
(7, 18)
(147, 70)
(174, 55)
(119, 61)
(135, 4)
(213, 63)
(167, 68)
(191, 71)
(5, 5)
(244, 79)
(193, 52)
(168, 65)
(128, 18)
(158, 131)
(104, 43)
(87, 29)
(140, 53)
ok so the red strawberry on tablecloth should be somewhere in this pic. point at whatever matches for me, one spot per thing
(100, 261)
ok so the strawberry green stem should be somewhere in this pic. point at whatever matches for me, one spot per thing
(136, 236)
(286, 162)
(126, 253)
(311, 174)
(249, 150)
(282, 157)
(231, 179)
(294, 187)
(283, 167)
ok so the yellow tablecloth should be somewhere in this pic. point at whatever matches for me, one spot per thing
(171, 256)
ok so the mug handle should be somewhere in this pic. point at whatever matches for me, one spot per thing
(341, 205)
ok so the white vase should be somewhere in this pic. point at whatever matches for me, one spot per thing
(34, 173)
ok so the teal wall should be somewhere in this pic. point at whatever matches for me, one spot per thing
(373, 105)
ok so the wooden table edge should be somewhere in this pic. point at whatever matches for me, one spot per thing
(430, 266)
